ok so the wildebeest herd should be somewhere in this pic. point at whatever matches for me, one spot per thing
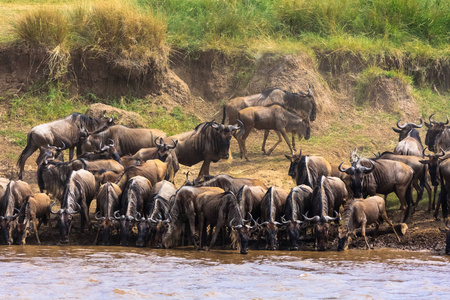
(130, 173)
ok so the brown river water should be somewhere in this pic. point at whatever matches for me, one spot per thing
(75, 272)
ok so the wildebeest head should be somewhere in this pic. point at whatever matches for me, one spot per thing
(357, 172)
(64, 218)
(404, 129)
(242, 233)
(432, 162)
(295, 160)
(6, 226)
(163, 148)
(434, 129)
(222, 135)
(21, 232)
(110, 149)
(143, 226)
(344, 239)
(51, 153)
(293, 228)
(125, 224)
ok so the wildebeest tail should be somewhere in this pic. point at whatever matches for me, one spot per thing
(423, 178)
(8, 193)
(41, 182)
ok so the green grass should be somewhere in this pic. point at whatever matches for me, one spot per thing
(18, 138)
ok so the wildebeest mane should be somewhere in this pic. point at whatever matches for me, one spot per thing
(347, 215)
(7, 204)
(415, 134)
(265, 94)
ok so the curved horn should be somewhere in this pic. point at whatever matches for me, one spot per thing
(111, 144)
(402, 126)
(138, 215)
(417, 126)
(117, 215)
(396, 130)
(431, 121)
(349, 171)
(329, 219)
(309, 90)
(51, 208)
(175, 143)
(446, 122)
(96, 216)
(70, 211)
(366, 170)
(446, 224)
(313, 219)
(426, 155)
(61, 148)
(231, 222)
(284, 220)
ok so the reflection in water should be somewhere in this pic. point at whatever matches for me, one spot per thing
(101, 272)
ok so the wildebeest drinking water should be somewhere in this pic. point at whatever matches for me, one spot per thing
(360, 213)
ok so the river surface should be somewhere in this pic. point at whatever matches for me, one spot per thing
(74, 272)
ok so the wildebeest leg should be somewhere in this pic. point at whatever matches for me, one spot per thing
(363, 233)
(242, 140)
(428, 188)
(96, 237)
(26, 153)
(434, 196)
(387, 220)
(36, 231)
(266, 135)
(279, 141)
(419, 191)
(204, 170)
(201, 221)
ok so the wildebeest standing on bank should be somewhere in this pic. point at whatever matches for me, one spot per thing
(273, 117)
(35, 207)
(66, 131)
(328, 195)
(303, 104)
(360, 213)
(383, 177)
(208, 142)
(79, 192)
(108, 201)
(137, 191)
(127, 141)
(183, 211)
(14, 194)
(217, 209)
(420, 172)
(298, 203)
(409, 142)
(272, 207)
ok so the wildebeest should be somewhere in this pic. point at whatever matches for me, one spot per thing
(154, 170)
(35, 207)
(137, 191)
(420, 172)
(409, 142)
(328, 195)
(298, 203)
(303, 104)
(447, 241)
(217, 209)
(273, 117)
(360, 213)
(383, 177)
(308, 169)
(14, 194)
(183, 211)
(127, 141)
(80, 189)
(229, 183)
(272, 208)
(249, 198)
(208, 142)
(156, 214)
(108, 201)
(66, 131)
